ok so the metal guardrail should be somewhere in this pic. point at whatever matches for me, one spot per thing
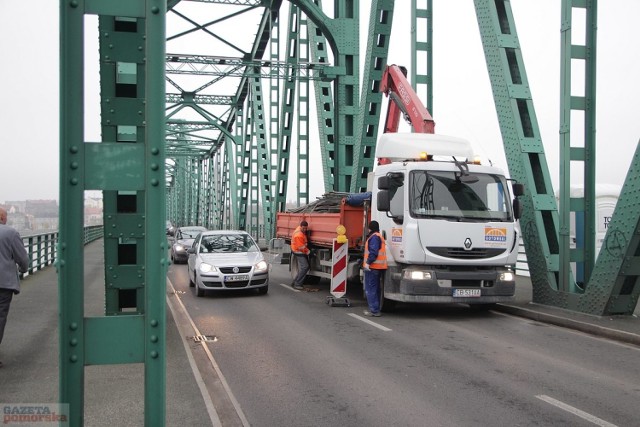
(43, 248)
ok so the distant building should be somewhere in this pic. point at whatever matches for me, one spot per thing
(15, 217)
(93, 211)
(31, 217)
(42, 208)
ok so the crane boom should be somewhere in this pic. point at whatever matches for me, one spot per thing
(395, 85)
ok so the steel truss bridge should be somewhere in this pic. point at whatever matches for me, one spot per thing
(208, 112)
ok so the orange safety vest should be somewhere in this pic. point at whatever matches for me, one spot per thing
(299, 242)
(381, 260)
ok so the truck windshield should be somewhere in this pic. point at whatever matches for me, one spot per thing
(441, 194)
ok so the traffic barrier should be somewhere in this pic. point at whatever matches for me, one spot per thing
(339, 275)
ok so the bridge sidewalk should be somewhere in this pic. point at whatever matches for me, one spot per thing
(619, 328)
(114, 394)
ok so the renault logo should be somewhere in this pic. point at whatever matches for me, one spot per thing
(467, 243)
(236, 269)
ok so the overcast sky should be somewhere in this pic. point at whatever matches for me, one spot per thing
(463, 103)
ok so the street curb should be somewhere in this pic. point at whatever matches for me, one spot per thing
(589, 328)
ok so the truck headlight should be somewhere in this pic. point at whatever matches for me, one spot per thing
(416, 275)
(507, 277)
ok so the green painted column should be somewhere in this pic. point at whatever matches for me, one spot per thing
(128, 166)
(70, 261)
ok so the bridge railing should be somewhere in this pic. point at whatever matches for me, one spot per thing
(42, 248)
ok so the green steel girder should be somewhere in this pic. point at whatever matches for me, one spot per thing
(177, 98)
(378, 40)
(203, 65)
(274, 114)
(259, 132)
(573, 156)
(613, 285)
(324, 106)
(343, 34)
(243, 158)
(523, 143)
(133, 92)
(287, 107)
(421, 42)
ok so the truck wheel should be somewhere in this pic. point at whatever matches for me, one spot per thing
(386, 305)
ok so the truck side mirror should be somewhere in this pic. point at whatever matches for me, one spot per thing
(518, 189)
(383, 183)
(517, 208)
(383, 202)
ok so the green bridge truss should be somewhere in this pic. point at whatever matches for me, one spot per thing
(207, 118)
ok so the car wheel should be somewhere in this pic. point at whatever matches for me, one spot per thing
(191, 282)
(199, 291)
(263, 290)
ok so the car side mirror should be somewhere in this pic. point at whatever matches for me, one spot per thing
(191, 251)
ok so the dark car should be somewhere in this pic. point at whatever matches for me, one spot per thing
(184, 237)
(171, 230)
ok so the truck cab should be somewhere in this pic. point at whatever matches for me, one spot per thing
(450, 223)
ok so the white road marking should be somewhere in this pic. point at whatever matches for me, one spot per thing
(213, 414)
(365, 320)
(575, 411)
(289, 287)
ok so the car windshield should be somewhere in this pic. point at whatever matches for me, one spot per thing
(225, 243)
(190, 233)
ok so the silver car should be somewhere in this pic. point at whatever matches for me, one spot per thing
(224, 260)
(184, 237)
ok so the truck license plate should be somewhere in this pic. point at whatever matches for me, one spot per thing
(236, 278)
(474, 293)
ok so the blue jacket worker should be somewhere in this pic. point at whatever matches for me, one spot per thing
(374, 265)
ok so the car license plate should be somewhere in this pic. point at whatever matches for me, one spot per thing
(236, 278)
(474, 293)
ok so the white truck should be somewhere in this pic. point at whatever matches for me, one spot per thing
(450, 223)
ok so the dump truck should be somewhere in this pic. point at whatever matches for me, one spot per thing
(450, 222)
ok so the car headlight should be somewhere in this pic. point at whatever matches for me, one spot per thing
(507, 277)
(180, 248)
(416, 275)
(261, 266)
(206, 268)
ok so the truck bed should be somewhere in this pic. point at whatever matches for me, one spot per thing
(323, 224)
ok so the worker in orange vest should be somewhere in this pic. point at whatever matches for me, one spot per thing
(301, 252)
(374, 265)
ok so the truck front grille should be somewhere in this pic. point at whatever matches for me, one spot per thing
(462, 253)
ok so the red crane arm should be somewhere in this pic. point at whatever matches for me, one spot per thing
(395, 85)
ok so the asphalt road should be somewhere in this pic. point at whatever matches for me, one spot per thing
(289, 359)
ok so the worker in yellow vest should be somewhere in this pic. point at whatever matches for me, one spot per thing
(374, 265)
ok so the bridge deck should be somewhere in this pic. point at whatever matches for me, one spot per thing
(114, 395)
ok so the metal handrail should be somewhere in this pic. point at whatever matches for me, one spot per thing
(43, 248)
